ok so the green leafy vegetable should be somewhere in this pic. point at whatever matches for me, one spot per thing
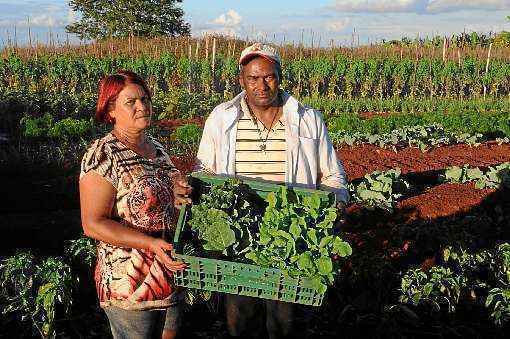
(226, 218)
(296, 236)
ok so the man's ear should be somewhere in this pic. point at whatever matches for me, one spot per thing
(241, 80)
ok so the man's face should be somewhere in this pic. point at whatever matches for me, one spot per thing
(260, 81)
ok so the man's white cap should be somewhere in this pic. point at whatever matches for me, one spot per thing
(257, 49)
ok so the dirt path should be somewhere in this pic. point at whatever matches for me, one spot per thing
(363, 159)
(444, 200)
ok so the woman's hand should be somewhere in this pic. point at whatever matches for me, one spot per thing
(161, 250)
(182, 190)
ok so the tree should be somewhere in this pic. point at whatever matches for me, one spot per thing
(102, 19)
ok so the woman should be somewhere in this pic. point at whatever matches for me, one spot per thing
(128, 189)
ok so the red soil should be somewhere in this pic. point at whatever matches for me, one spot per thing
(439, 201)
(363, 159)
(184, 163)
(443, 200)
(368, 115)
(172, 124)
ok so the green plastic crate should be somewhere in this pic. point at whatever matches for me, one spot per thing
(240, 278)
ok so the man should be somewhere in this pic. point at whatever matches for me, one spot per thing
(264, 133)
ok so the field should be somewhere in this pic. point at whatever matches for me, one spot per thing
(424, 139)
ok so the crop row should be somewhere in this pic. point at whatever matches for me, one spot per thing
(336, 76)
(471, 116)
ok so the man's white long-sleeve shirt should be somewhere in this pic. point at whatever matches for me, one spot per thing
(311, 160)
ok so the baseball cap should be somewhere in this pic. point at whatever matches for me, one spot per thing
(258, 49)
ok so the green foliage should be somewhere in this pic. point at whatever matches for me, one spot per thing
(456, 126)
(187, 134)
(226, 218)
(44, 126)
(179, 103)
(379, 189)
(144, 18)
(83, 250)
(498, 301)
(480, 274)
(438, 286)
(184, 140)
(422, 137)
(493, 177)
(293, 233)
(36, 127)
(296, 235)
(502, 39)
(33, 287)
(65, 86)
(70, 128)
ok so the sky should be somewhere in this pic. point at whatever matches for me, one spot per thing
(307, 21)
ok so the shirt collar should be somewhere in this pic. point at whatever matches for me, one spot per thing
(292, 109)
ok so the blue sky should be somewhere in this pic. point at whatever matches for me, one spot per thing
(289, 20)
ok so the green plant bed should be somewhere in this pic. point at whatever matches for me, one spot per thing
(241, 278)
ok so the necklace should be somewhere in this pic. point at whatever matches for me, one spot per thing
(263, 141)
(141, 148)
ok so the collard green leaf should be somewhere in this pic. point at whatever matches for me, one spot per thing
(305, 261)
(326, 241)
(324, 265)
(271, 199)
(341, 247)
(311, 235)
(294, 228)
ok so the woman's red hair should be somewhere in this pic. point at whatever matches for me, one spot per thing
(109, 88)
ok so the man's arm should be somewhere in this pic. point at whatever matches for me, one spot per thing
(206, 155)
(332, 175)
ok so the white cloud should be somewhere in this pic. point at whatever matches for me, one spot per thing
(44, 20)
(417, 6)
(51, 16)
(229, 19)
(338, 25)
(226, 31)
(436, 6)
(228, 24)
(380, 6)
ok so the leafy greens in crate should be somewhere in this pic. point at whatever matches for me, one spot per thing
(227, 217)
(290, 232)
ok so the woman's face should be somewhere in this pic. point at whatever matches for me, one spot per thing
(132, 109)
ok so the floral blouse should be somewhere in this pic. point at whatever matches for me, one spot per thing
(126, 277)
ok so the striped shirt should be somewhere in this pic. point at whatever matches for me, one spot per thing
(251, 160)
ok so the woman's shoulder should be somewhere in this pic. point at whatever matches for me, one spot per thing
(104, 145)
(100, 150)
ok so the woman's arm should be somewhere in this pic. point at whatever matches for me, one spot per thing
(97, 197)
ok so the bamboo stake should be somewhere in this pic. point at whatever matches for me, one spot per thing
(487, 70)
(213, 61)
(444, 49)
(29, 33)
(207, 47)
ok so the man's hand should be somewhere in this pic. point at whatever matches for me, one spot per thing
(182, 190)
